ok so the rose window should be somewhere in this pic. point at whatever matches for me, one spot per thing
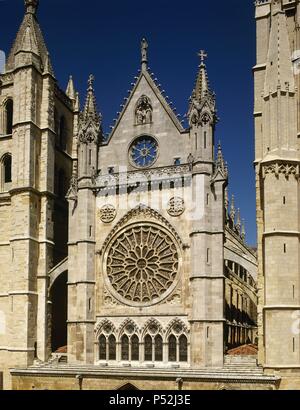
(142, 263)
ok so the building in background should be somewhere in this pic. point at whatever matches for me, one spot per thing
(277, 132)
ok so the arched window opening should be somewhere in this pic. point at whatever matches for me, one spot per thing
(183, 349)
(62, 133)
(7, 169)
(135, 348)
(148, 348)
(124, 348)
(172, 349)
(59, 312)
(111, 348)
(102, 347)
(9, 109)
(158, 348)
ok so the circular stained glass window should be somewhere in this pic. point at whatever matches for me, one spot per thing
(142, 264)
(143, 151)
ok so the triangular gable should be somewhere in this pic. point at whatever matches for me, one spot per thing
(145, 75)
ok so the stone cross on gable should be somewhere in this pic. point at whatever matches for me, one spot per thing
(91, 81)
(203, 55)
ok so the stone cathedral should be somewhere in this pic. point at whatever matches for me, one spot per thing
(123, 263)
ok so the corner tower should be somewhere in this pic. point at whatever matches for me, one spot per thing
(277, 163)
(36, 134)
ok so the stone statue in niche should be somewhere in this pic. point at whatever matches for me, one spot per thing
(143, 112)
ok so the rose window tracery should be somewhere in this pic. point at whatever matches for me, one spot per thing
(142, 263)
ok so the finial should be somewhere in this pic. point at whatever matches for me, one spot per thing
(77, 103)
(31, 6)
(203, 55)
(70, 91)
(144, 51)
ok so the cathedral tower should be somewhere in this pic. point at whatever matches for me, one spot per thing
(277, 134)
(35, 146)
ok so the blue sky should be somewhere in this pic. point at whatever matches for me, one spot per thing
(103, 38)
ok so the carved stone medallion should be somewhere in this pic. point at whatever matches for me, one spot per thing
(107, 213)
(176, 206)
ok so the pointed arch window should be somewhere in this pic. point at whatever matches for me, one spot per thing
(8, 113)
(6, 172)
(172, 349)
(124, 348)
(135, 348)
(111, 347)
(158, 342)
(102, 347)
(148, 348)
(183, 349)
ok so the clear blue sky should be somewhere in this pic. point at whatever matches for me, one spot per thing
(103, 38)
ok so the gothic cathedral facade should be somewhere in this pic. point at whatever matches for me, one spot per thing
(121, 258)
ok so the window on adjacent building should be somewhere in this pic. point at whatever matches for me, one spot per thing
(9, 108)
(6, 172)
(7, 168)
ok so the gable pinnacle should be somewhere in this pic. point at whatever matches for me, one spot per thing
(144, 52)
(31, 6)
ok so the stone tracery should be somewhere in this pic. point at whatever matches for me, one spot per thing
(142, 263)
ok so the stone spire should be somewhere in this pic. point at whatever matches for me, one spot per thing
(70, 91)
(232, 209)
(238, 221)
(202, 108)
(220, 165)
(29, 46)
(90, 120)
(202, 83)
(31, 6)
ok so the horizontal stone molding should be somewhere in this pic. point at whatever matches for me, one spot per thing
(281, 307)
(207, 277)
(91, 372)
(80, 322)
(82, 282)
(17, 349)
(22, 293)
(284, 233)
(207, 320)
(206, 232)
